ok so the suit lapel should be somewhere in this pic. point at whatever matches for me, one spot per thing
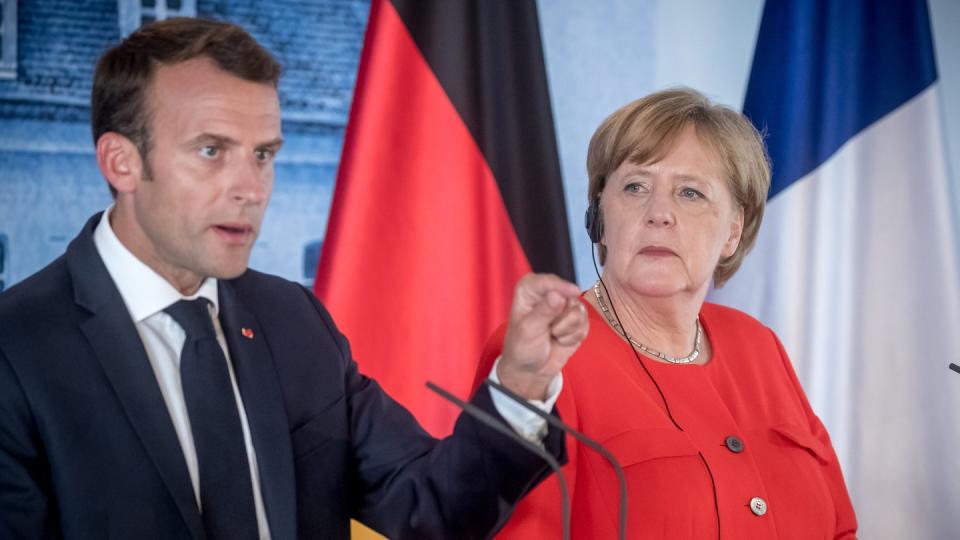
(266, 415)
(118, 348)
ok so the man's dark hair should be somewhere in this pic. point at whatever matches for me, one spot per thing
(124, 73)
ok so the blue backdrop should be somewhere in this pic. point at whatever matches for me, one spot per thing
(49, 182)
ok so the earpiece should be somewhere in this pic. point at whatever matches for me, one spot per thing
(593, 220)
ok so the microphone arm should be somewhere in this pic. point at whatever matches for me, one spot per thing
(594, 445)
(498, 425)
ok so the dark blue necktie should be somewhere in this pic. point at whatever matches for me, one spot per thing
(226, 493)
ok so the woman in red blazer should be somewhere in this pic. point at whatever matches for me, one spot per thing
(698, 402)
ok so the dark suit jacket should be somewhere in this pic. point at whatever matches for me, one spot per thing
(88, 450)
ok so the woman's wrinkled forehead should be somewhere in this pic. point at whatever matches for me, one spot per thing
(651, 149)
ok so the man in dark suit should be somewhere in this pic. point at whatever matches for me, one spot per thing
(153, 387)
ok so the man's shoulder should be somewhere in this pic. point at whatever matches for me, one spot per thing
(267, 287)
(274, 294)
(286, 310)
(36, 300)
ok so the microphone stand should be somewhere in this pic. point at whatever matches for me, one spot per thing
(590, 443)
(498, 425)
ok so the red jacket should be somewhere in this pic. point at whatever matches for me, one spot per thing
(747, 390)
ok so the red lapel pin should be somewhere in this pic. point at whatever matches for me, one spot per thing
(247, 333)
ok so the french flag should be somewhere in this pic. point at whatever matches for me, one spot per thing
(856, 264)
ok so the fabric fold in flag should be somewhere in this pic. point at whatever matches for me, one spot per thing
(448, 191)
(856, 263)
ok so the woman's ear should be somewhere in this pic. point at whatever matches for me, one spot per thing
(736, 231)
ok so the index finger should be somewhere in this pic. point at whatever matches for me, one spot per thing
(539, 285)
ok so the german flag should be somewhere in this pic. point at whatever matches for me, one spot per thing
(448, 191)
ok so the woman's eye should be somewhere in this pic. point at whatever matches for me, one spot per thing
(690, 193)
(635, 187)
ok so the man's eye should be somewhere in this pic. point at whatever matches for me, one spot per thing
(209, 151)
(263, 155)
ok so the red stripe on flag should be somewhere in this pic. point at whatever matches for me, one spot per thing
(420, 257)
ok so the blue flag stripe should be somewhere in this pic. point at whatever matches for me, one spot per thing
(824, 70)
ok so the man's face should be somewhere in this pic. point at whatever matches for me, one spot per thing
(196, 210)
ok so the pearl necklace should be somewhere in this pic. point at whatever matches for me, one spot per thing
(672, 359)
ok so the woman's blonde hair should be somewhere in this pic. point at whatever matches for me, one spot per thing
(644, 131)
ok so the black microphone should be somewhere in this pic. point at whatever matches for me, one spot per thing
(590, 443)
(498, 425)
(954, 367)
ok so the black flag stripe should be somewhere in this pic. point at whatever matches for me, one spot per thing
(488, 58)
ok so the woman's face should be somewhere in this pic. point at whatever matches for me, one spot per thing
(667, 224)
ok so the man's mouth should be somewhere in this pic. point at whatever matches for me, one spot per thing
(234, 233)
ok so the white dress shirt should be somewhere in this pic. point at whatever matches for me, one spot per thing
(146, 294)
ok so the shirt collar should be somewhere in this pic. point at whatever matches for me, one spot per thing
(143, 290)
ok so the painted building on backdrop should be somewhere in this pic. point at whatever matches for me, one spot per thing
(49, 181)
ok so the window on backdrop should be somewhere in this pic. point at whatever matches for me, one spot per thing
(8, 39)
(3, 261)
(135, 13)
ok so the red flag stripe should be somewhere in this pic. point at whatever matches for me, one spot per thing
(420, 256)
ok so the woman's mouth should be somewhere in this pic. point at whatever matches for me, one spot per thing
(658, 251)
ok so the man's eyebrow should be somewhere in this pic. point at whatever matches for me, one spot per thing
(274, 144)
(213, 138)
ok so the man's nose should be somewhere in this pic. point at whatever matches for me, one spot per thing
(251, 182)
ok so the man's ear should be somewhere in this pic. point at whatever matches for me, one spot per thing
(119, 161)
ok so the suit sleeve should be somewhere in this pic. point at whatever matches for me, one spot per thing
(846, 526)
(24, 483)
(409, 485)
(538, 514)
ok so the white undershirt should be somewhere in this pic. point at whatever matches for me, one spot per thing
(146, 294)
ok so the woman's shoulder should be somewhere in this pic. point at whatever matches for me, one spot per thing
(730, 320)
(739, 335)
(727, 314)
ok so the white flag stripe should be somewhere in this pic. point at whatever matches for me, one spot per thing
(856, 270)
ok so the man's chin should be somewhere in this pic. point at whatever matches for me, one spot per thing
(231, 273)
(231, 270)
